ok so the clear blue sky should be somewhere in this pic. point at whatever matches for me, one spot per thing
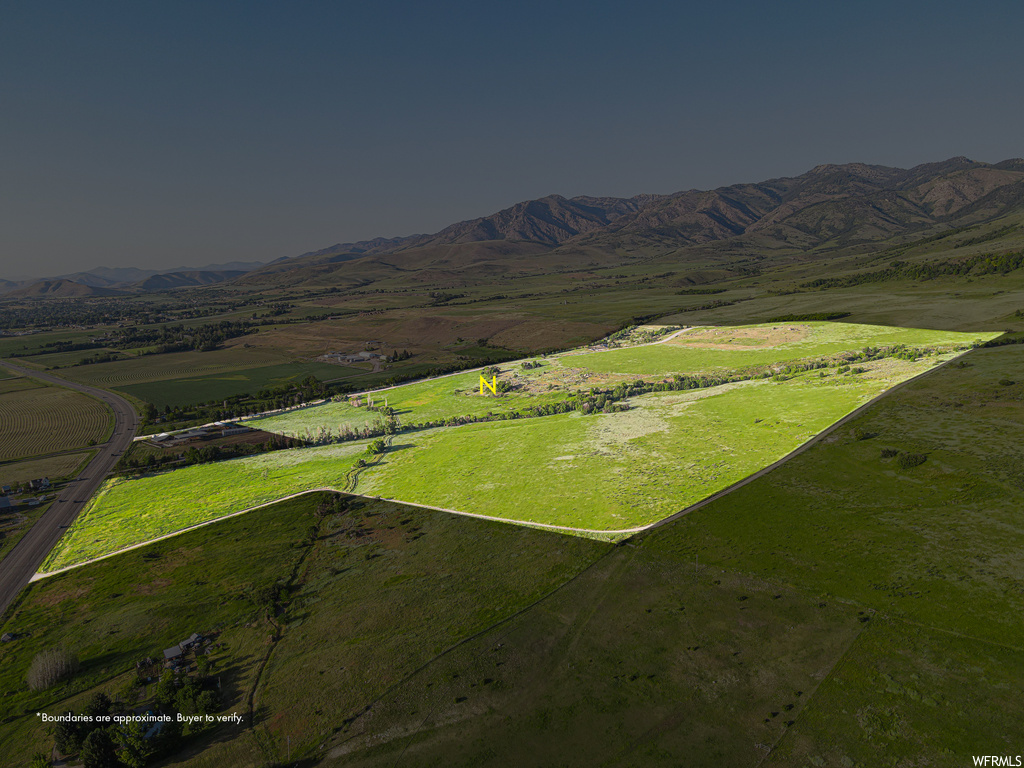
(158, 134)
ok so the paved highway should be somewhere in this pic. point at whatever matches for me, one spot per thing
(28, 554)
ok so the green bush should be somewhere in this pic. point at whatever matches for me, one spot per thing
(910, 460)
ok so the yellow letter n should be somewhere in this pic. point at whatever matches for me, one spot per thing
(491, 385)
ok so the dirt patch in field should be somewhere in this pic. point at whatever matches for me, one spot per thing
(731, 338)
(56, 597)
(154, 587)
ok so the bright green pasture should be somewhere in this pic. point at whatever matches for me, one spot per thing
(823, 339)
(130, 511)
(602, 472)
(620, 470)
(423, 401)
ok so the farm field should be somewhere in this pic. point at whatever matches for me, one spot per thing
(173, 365)
(64, 465)
(603, 472)
(40, 419)
(18, 384)
(215, 386)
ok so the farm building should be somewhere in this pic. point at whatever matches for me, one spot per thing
(358, 357)
(230, 428)
(172, 653)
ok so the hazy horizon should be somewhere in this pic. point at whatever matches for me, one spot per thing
(155, 137)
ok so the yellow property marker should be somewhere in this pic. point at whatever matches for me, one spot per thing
(491, 385)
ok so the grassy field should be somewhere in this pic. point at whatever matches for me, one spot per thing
(896, 526)
(620, 470)
(173, 365)
(53, 467)
(416, 403)
(216, 386)
(129, 511)
(332, 647)
(18, 384)
(695, 352)
(44, 419)
(602, 472)
(831, 618)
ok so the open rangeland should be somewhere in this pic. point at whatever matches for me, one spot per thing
(812, 617)
(38, 419)
(611, 471)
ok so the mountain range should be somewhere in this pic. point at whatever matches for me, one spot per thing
(827, 209)
(122, 281)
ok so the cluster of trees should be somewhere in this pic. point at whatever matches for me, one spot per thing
(982, 264)
(181, 338)
(387, 424)
(237, 406)
(699, 291)
(807, 316)
(100, 741)
(439, 297)
(200, 455)
(50, 667)
(106, 357)
(76, 312)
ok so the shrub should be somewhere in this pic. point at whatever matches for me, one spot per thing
(1006, 383)
(888, 453)
(50, 667)
(910, 460)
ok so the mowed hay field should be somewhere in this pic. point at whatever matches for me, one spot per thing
(41, 419)
(64, 465)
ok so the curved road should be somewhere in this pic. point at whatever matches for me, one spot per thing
(21, 563)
